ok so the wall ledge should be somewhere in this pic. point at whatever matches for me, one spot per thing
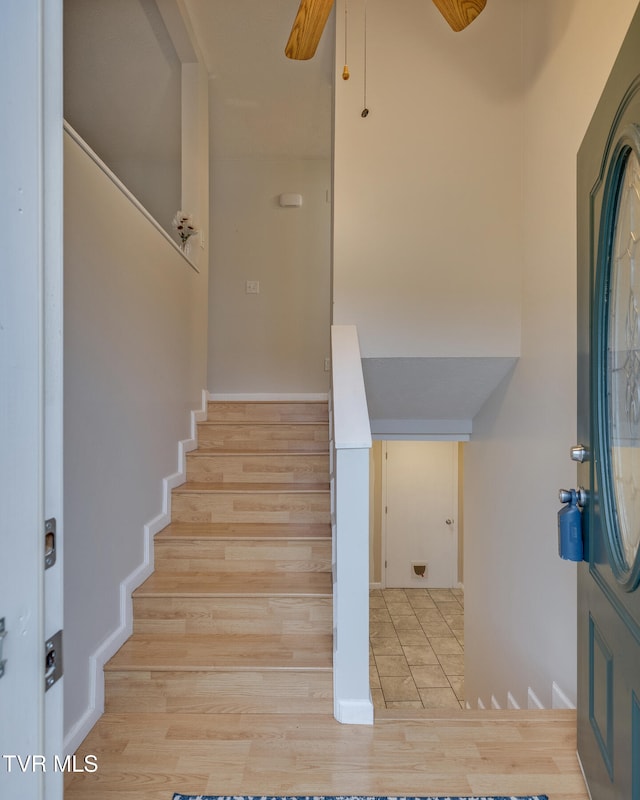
(75, 136)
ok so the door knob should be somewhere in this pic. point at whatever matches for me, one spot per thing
(579, 453)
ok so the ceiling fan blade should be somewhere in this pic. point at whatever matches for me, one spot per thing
(307, 29)
(460, 13)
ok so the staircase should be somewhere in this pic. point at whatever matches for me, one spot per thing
(237, 616)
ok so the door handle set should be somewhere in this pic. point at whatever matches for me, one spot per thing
(570, 535)
(576, 496)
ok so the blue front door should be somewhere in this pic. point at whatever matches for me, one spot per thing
(609, 429)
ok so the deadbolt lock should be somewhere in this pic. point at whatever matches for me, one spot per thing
(579, 453)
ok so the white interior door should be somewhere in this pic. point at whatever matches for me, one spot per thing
(420, 520)
(31, 396)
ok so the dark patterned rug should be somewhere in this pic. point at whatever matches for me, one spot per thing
(352, 797)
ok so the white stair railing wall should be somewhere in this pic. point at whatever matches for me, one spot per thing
(350, 447)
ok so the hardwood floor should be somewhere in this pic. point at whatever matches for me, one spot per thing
(150, 756)
(226, 685)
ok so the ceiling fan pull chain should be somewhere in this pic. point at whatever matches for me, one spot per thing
(345, 71)
(365, 110)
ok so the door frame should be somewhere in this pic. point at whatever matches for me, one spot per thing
(32, 413)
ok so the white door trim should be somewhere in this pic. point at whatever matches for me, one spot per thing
(31, 373)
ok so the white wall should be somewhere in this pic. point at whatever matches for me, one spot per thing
(122, 93)
(427, 251)
(520, 625)
(276, 341)
(135, 366)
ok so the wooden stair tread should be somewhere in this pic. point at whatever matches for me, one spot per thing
(293, 448)
(182, 531)
(258, 453)
(199, 487)
(189, 652)
(264, 422)
(255, 640)
(281, 584)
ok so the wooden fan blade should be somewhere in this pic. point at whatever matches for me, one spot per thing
(307, 29)
(460, 13)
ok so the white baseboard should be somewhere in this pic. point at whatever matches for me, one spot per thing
(376, 585)
(533, 701)
(266, 397)
(119, 636)
(354, 712)
(559, 699)
(512, 703)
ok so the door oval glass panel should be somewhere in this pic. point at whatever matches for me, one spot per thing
(621, 428)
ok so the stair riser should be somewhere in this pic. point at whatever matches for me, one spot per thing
(254, 692)
(206, 556)
(258, 438)
(233, 615)
(250, 507)
(241, 468)
(267, 412)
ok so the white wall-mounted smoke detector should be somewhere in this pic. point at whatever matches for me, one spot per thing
(290, 200)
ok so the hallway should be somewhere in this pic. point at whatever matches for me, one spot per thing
(416, 653)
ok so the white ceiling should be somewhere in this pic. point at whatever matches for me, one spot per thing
(263, 104)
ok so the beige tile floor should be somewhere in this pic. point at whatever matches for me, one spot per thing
(416, 650)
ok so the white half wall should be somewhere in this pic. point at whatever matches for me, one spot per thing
(520, 609)
(427, 250)
(277, 340)
(135, 367)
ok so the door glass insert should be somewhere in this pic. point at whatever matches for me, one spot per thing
(623, 355)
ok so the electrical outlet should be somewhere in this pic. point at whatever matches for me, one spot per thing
(252, 287)
(327, 364)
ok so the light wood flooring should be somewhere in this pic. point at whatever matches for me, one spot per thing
(225, 686)
(150, 756)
